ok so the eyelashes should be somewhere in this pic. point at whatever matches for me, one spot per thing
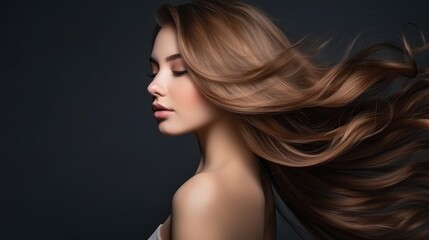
(151, 75)
(175, 73)
(179, 73)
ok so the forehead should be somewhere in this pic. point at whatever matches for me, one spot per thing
(165, 43)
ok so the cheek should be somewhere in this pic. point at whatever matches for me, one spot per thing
(192, 104)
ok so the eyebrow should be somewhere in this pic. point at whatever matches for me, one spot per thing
(168, 59)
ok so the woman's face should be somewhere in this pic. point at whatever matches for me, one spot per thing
(173, 88)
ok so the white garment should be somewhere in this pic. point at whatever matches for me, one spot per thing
(156, 235)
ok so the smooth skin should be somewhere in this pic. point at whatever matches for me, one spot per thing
(225, 198)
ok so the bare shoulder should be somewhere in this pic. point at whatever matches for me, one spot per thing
(198, 191)
(210, 189)
(215, 206)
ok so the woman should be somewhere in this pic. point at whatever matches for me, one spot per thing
(342, 147)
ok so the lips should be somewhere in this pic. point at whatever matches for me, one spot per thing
(160, 107)
(161, 111)
(160, 114)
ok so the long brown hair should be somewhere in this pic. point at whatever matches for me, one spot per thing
(344, 142)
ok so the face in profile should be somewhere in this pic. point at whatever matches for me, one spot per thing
(173, 89)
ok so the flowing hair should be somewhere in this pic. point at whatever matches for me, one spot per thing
(344, 143)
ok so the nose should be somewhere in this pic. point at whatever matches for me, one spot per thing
(156, 88)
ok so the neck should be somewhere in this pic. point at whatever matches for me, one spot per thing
(220, 145)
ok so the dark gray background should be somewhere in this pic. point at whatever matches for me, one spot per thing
(81, 156)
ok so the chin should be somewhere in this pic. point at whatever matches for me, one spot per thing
(171, 131)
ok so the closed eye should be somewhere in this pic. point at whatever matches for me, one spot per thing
(179, 73)
(175, 73)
